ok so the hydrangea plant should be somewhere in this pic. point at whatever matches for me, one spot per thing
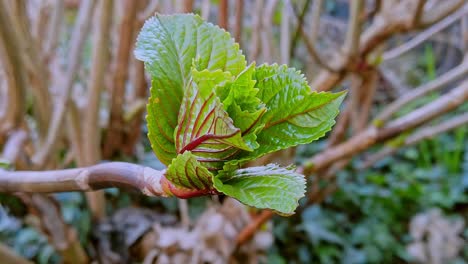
(209, 113)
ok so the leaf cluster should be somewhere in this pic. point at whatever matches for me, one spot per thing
(209, 113)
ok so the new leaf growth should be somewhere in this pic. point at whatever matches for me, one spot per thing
(209, 113)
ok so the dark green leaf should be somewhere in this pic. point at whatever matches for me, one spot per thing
(269, 187)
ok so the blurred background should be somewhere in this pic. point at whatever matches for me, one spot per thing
(389, 184)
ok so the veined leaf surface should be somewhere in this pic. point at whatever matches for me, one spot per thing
(295, 115)
(204, 127)
(270, 187)
(169, 45)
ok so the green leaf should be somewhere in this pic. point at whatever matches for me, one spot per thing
(240, 100)
(295, 115)
(4, 164)
(204, 128)
(269, 187)
(169, 45)
(185, 171)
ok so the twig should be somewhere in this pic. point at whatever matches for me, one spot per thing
(424, 35)
(256, 29)
(149, 11)
(205, 9)
(54, 28)
(351, 45)
(440, 11)
(187, 6)
(267, 33)
(285, 32)
(14, 145)
(78, 37)
(62, 236)
(12, 65)
(418, 12)
(372, 135)
(451, 76)
(91, 138)
(310, 45)
(114, 137)
(239, 16)
(223, 14)
(421, 134)
(9, 256)
(249, 231)
(106, 175)
(300, 22)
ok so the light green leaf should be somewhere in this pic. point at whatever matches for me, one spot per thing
(269, 187)
(295, 115)
(169, 45)
(204, 127)
(240, 100)
(4, 164)
(185, 171)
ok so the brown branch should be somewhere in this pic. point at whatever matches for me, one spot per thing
(114, 137)
(205, 9)
(238, 24)
(451, 76)
(256, 29)
(440, 11)
(106, 175)
(9, 256)
(422, 134)
(31, 63)
(267, 31)
(14, 145)
(223, 14)
(187, 6)
(249, 231)
(91, 138)
(385, 25)
(330, 67)
(285, 35)
(149, 11)
(12, 65)
(351, 45)
(62, 236)
(78, 37)
(55, 25)
(424, 35)
(373, 135)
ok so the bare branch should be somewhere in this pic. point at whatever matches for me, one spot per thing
(424, 35)
(267, 32)
(14, 145)
(285, 38)
(78, 37)
(149, 11)
(114, 135)
(91, 138)
(440, 11)
(451, 76)
(372, 135)
(205, 9)
(351, 45)
(423, 133)
(256, 28)
(310, 44)
(12, 65)
(9, 256)
(54, 28)
(238, 25)
(223, 14)
(106, 175)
